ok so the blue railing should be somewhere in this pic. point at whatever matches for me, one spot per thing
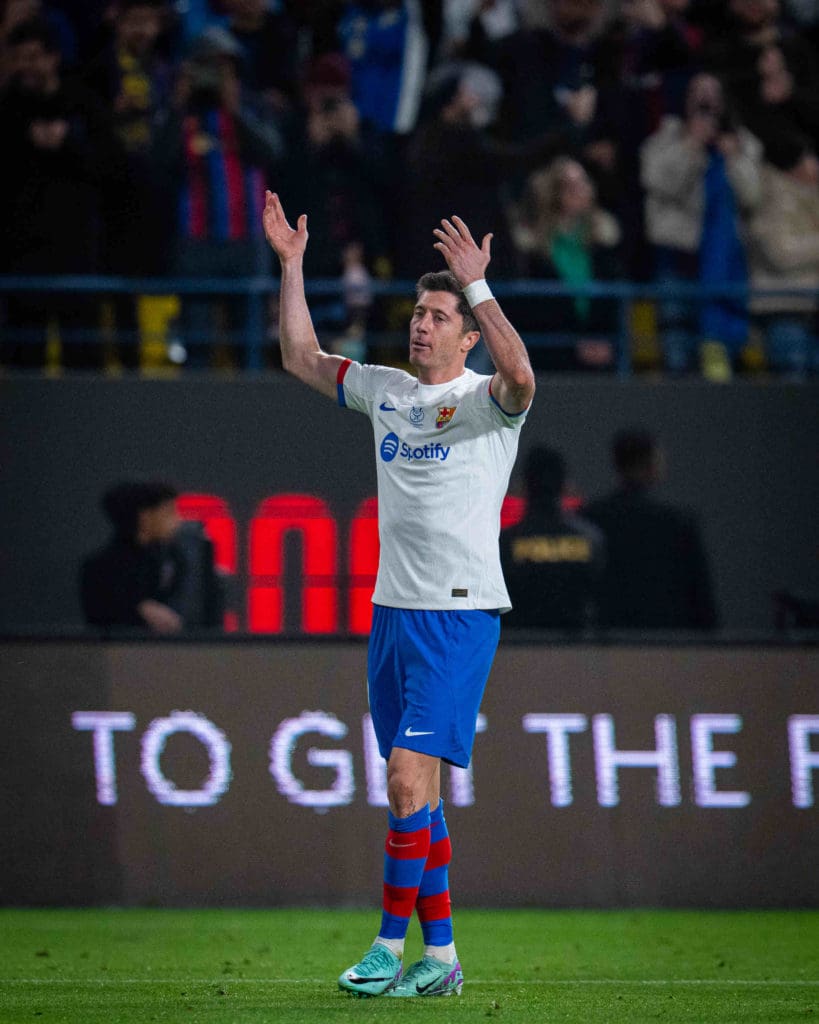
(255, 291)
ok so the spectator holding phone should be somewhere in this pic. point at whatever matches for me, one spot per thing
(701, 174)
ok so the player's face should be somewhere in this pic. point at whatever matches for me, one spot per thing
(438, 345)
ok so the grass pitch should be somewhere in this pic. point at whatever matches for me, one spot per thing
(249, 967)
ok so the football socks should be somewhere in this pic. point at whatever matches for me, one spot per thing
(433, 904)
(405, 857)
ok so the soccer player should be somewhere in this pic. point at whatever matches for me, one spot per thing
(445, 443)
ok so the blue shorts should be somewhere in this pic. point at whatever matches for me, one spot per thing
(426, 673)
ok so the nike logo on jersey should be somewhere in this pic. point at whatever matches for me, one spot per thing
(386, 408)
(409, 731)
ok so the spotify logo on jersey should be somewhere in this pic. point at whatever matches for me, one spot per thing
(389, 447)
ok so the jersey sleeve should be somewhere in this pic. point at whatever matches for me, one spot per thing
(360, 384)
(514, 420)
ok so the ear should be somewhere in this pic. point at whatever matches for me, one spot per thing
(470, 340)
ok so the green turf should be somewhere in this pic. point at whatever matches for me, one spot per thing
(248, 967)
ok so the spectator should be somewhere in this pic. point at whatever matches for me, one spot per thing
(452, 164)
(656, 574)
(784, 253)
(215, 152)
(132, 79)
(196, 17)
(805, 14)
(563, 78)
(317, 24)
(657, 51)
(59, 151)
(155, 572)
(562, 234)
(472, 27)
(387, 45)
(62, 31)
(770, 73)
(702, 178)
(660, 50)
(269, 66)
(551, 560)
(336, 172)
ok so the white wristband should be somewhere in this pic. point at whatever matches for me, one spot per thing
(477, 292)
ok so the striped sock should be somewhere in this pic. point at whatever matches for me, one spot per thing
(433, 905)
(405, 854)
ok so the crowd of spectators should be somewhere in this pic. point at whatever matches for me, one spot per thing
(646, 140)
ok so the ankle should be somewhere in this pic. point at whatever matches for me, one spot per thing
(395, 946)
(446, 954)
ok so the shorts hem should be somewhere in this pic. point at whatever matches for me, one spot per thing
(448, 758)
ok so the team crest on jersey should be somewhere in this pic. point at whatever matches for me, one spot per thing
(445, 414)
(416, 415)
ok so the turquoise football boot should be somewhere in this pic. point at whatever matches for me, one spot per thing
(430, 977)
(378, 972)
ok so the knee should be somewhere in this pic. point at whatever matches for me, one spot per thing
(402, 795)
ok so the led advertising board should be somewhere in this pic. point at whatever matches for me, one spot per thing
(246, 773)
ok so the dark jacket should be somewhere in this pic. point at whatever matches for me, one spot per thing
(552, 564)
(458, 169)
(341, 186)
(53, 198)
(656, 574)
(117, 579)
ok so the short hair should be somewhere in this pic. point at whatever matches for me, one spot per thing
(633, 449)
(123, 502)
(445, 281)
(544, 474)
(34, 30)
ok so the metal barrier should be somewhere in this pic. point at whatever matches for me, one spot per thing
(256, 290)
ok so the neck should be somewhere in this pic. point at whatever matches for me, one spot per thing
(568, 222)
(429, 376)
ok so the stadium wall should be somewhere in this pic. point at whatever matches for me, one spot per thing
(743, 456)
(244, 773)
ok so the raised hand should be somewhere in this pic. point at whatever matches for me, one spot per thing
(287, 243)
(460, 250)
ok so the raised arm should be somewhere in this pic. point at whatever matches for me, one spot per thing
(513, 385)
(301, 354)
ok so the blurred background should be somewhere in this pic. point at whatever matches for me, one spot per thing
(171, 500)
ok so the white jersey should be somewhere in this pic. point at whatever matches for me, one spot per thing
(444, 453)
